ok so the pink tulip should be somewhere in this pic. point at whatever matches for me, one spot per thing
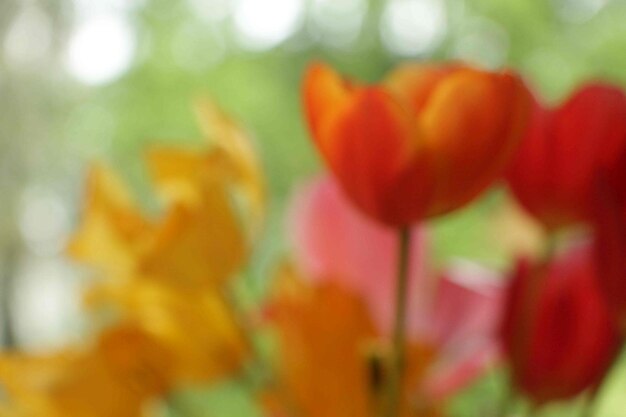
(456, 312)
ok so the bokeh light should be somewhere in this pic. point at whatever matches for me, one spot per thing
(338, 23)
(413, 27)
(264, 24)
(101, 49)
(46, 303)
(29, 38)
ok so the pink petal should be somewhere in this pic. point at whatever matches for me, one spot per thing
(465, 316)
(333, 241)
(468, 304)
(449, 376)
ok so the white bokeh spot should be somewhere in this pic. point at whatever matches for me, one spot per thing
(413, 27)
(264, 24)
(101, 49)
(29, 38)
(338, 23)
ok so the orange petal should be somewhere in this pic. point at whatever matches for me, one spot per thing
(372, 143)
(326, 97)
(472, 125)
(414, 83)
(323, 333)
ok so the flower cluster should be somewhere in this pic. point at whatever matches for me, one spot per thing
(162, 285)
(429, 139)
(364, 322)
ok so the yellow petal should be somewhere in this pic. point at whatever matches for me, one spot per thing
(112, 229)
(72, 383)
(197, 327)
(232, 144)
(197, 247)
(201, 240)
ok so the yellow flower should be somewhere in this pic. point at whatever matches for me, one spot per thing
(213, 197)
(165, 279)
(117, 377)
(198, 329)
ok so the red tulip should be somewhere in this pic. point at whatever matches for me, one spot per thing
(424, 142)
(557, 331)
(610, 226)
(552, 174)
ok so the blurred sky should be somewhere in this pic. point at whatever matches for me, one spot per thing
(102, 79)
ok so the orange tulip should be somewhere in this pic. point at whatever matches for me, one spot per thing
(424, 142)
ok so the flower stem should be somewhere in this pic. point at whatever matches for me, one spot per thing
(395, 388)
(507, 402)
(590, 406)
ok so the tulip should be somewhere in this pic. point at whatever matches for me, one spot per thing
(553, 172)
(557, 331)
(424, 142)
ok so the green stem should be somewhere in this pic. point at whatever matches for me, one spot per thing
(399, 332)
(507, 402)
(589, 409)
(533, 411)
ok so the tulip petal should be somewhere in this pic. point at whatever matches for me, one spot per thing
(557, 330)
(468, 303)
(471, 126)
(364, 134)
(465, 318)
(563, 149)
(610, 227)
(326, 97)
(594, 114)
(414, 83)
(451, 374)
(332, 241)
